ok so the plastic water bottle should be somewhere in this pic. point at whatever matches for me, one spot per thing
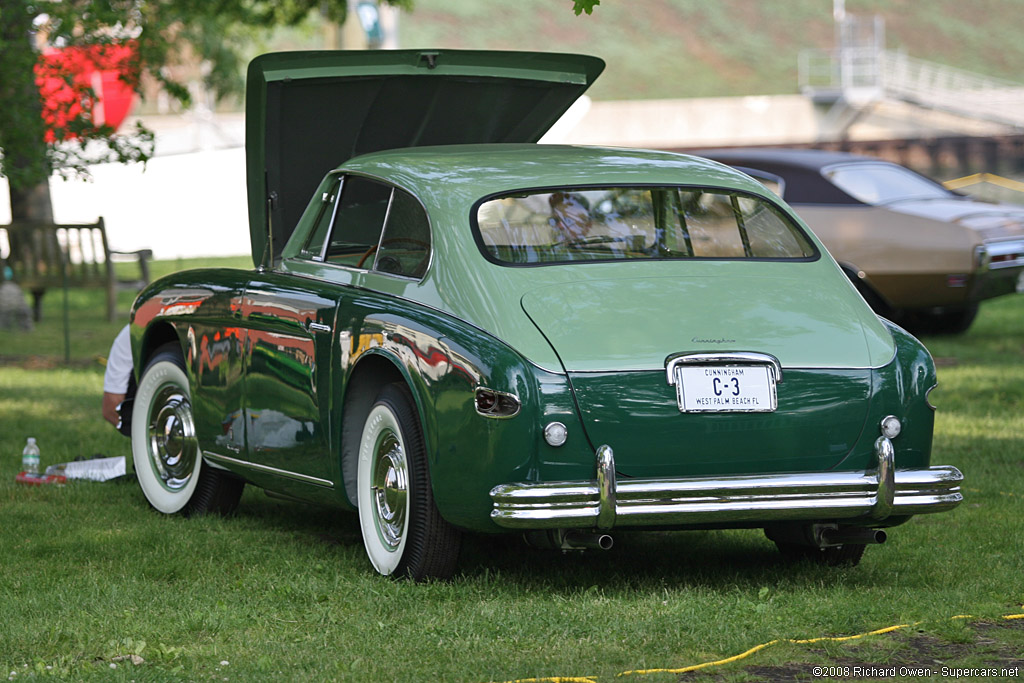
(30, 457)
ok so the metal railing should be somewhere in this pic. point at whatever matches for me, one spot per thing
(838, 70)
(950, 89)
(888, 73)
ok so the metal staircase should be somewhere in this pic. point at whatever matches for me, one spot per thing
(860, 72)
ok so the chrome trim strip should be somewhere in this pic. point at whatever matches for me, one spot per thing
(383, 228)
(820, 496)
(334, 214)
(304, 478)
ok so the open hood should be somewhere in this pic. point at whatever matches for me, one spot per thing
(309, 112)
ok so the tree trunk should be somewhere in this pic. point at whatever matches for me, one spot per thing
(31, 204)
(22, 131)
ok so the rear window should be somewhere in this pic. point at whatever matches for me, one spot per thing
(636, 223)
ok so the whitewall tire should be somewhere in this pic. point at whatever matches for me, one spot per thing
(165, 447)
(403, 533)
(383, 490)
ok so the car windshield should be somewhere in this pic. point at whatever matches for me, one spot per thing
(636, 223)
(883, 183)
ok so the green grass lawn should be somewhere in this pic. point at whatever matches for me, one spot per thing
(281, 591)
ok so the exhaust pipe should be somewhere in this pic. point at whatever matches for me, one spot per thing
(823, 535)
(564, 540)
(853, 535)
(581, 540)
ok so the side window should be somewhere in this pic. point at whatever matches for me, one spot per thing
(314, 247)
(405, 246)
(358, 222)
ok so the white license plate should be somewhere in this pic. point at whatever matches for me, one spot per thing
(725, 388)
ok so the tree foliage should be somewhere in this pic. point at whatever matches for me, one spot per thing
(580, 6)
(211, 32)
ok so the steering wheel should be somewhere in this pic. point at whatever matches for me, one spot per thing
(392, 240)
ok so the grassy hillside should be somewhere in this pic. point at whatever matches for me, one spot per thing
(695, 48)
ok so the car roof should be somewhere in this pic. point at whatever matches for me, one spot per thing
(811, 159)
(470, 172)
(801, 169)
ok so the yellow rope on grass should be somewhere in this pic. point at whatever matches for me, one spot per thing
(556, 679)
(794, 641)
(758, 648)
(743, 655)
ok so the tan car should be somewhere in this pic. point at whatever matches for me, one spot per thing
(919, 254)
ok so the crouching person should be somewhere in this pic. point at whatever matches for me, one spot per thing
(119, 384)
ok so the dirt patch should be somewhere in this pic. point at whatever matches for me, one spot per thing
(913, 656)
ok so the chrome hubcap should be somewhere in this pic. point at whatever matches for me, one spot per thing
(390, 489)
(173, 448)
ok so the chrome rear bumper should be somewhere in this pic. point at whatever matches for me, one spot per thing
(855, 497)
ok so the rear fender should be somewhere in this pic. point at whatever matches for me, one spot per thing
(444, 362)
(900, 388)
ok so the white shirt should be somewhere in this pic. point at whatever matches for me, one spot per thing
(119, 364)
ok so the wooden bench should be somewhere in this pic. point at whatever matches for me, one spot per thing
(43, 255)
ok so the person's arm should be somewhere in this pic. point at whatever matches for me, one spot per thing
(110, 403)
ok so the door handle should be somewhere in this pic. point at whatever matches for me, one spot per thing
(317, 327)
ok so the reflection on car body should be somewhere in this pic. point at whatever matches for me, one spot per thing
(464, 331)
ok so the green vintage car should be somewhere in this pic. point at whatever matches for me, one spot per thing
(465, 331)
